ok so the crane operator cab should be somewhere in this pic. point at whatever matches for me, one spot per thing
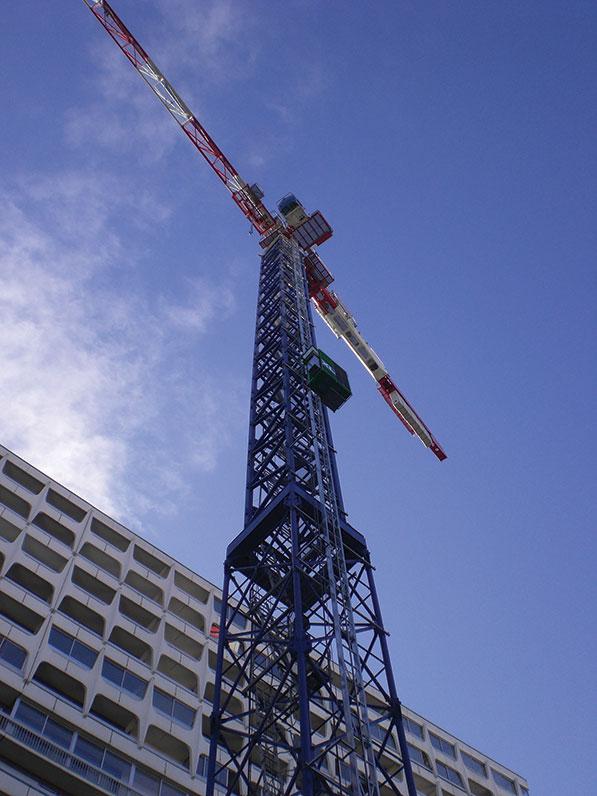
(307, 230)
(292, 210)
(327, 379)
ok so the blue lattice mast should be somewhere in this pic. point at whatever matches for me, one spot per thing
(305, 699)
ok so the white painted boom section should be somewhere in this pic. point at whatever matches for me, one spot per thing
(409, 417)
(344, 326)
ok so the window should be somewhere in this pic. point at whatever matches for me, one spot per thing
(182, 642)
(190, 587)
(237, 619)
(19, 614)
(44, 725)
(171, 790)
(167, 745)
(122, 678)
(443, 746)
(8, 531)
(149, 561)
(72, 648)
(109, 535)
(131, 644)
(116, 766)
(343, 770)
(504, 782)
(418, 756)
(448, 773)
(186, 613)
(115, 715)
(379, 733)
(173, 708)
(60, 683)
(180, 674)
(150, 785)
(55, 529)
(14, 502)
(23, 478)
(96, 754)
(31, 582)
(30, 716)
(138, 615)
(146, 783)
(82, 615)
(57, 733)
(144, 586)
(103, 758)
(222, 776)
(100, 559)
(412, 727)
(473, 764)
(44, 554)
(65, 505)
(12, 653)
(92, 585)
(272, 668)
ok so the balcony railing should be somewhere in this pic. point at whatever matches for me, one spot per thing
(79, 767)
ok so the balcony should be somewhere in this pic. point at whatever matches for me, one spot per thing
(55, 765)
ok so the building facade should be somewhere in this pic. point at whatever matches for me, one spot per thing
(107, 661)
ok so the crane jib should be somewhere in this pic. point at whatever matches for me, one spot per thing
(253, 209)
(308, 230)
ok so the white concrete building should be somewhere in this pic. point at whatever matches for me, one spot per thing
(107, 665)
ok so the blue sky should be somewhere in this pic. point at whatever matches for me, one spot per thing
(452, 147)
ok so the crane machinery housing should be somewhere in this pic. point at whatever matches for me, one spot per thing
(301, 641)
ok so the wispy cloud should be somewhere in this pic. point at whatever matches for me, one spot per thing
(199, 47)
(208, 50)
(216, 38)
(103, 384)
(204, 303)
(124, 117)
(95, 384)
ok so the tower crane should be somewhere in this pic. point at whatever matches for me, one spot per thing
(309, 230)
(305, 701)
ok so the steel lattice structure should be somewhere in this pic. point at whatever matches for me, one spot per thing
(305, 700)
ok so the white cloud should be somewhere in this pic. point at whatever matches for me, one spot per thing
(216, 38)
(97, 385)
(204, 303)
